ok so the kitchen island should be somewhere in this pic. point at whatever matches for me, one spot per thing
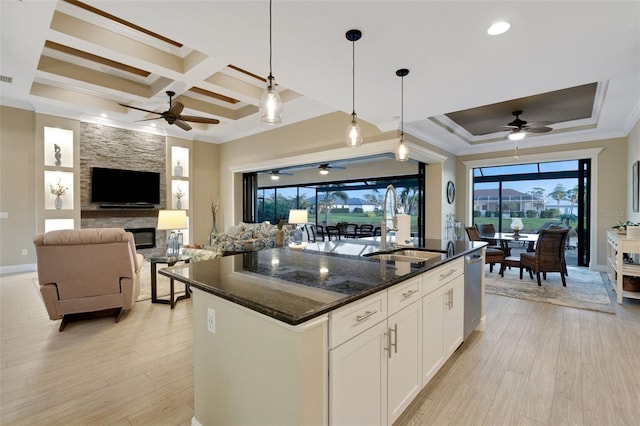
(321, 335)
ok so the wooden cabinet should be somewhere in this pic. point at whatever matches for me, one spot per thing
(617, 246)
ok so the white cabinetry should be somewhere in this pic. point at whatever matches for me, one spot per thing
(404, 343)
(442, 316)
(358, 383)
(617, 247)
(385, 348)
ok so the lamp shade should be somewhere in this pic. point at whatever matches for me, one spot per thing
(172, 219)
(298, 216)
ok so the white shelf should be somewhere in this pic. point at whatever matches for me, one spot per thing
(618, 245)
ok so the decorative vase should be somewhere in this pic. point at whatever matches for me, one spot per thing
(58, 203)
(279, 238)
(58, 154)
(179, 204)
(177, 170)
(214, 228)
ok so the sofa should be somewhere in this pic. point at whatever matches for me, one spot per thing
(243, 236)
(87, 271)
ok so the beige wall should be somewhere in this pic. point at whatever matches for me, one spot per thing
(17, 186)
(610, 185)
(205, 188)
(633, 155)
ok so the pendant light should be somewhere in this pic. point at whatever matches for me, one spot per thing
(402, 150)
(354, 135)
(270, 104)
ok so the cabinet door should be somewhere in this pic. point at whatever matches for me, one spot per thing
(358, 379)
(453, 315)
(432, 334)
(404, 359)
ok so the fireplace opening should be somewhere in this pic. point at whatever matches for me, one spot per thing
(144, 237)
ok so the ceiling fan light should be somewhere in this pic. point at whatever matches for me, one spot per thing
(402, 151)
(324, 171)
(498, 28)
(516, 136)
(354, 135)
(271, 105)
(275, 176)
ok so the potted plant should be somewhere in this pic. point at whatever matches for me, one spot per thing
(622, 226)
(58, 191)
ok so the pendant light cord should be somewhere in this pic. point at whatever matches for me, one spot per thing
(353, 77)
(270, 42)
(402, 107)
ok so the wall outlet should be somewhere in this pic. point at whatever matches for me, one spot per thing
(211, 320)
(25, 252)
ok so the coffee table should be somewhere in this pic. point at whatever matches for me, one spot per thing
(169, 261)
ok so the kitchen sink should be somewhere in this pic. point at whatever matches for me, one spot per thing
(413, 256)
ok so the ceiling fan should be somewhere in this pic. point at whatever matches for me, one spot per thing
(519, 128)
(172, 115)
(275, 174)
(326, 167)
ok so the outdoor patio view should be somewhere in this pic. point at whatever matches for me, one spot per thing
(538, 194)
(340, 203)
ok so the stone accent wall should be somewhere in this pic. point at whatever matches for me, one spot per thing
(105, 146)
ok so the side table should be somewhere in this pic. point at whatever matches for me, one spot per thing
(169, 261)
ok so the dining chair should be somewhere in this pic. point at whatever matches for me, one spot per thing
(351, 231)
(317, 232)
(548, 256)
(492, 255)
(333, 232)
(365, 230)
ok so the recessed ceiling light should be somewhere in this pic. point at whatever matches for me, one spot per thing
(104, 115)
(499, 28)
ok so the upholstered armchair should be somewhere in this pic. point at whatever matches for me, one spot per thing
(85, 271)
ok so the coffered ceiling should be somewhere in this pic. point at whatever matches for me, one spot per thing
(575, 64)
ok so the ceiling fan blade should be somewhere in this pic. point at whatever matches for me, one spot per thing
(176, 109)
(539, 130)
(139, 109)
(195, 119)
(539, 123)
(149, 119)
(182, 125)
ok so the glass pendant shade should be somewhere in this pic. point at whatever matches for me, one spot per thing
(271, 105)
(402, 151)
(354, 135)
(516, 225)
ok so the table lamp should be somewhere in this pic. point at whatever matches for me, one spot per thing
(170, 220)
(516, 225)
(297, 217)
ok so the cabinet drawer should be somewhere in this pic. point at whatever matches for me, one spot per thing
(441, 275)
(403, 294)
(348, 321)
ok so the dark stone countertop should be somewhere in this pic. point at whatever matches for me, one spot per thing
(296, 285)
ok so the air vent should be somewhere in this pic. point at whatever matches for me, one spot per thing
(5, 79)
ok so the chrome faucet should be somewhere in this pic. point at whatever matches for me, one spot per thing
(383, 229)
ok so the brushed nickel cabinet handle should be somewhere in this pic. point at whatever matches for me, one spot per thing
(395, 338)
(366, 315)
(409, 293)
(451, 271)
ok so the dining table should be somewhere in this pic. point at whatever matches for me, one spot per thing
(506, 237)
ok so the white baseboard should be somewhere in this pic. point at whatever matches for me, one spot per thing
(16, 269)
(194, 422)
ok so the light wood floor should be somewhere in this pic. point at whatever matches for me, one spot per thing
(536, 364)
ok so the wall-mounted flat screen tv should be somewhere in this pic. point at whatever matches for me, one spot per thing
(124, 187)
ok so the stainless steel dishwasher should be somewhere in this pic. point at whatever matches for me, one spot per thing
(473, 270)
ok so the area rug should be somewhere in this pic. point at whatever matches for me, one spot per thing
(585, 289)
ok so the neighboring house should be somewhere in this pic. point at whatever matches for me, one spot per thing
(351, 204)
(488, 200)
